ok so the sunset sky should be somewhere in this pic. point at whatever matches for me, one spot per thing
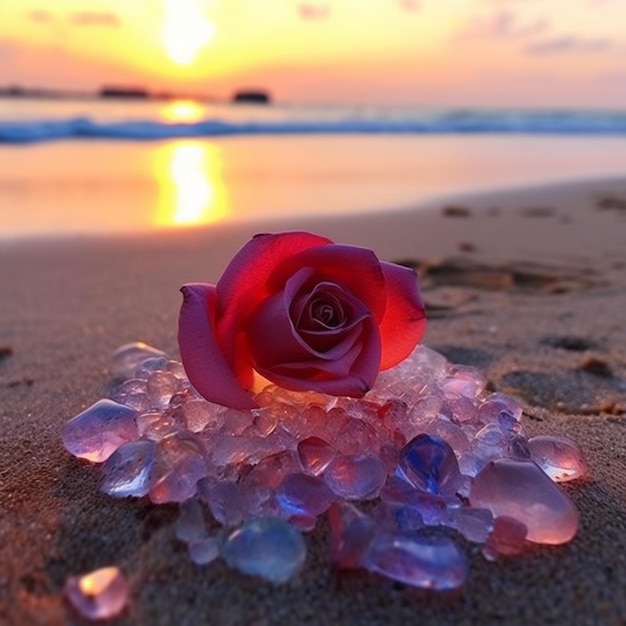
(433, 52)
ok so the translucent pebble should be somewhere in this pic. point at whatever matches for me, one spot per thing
(422, 362)
(149, 366)
(470, 464)
(100, 595)
(267, 547)
(200, 415)
(507, 538)
(428, 463)
(231, 449)
(270, 471)
(499, 407)
(334, 421)
(461, 410)
(474, 524)
(155, 425)
(427, 407)
(132, 385)
(179, 465)
(521, 490)
(351, 533)
(178, 399)
(356, 436)
(203, 551)
(161, 386)
(559, 457)
(303, 495)
(225, 499)
(431, 507)
(318, 423)
(453, 434)
(518, 448)
(138, 401)
(96, 433)
(128, 470)
(390, 453)
(190, 525)
(176, 368)
(127, 358)
(315, 455)
(235, 421)
(491, 442)
(356, 477)
(463, 380)
(394, 415)
(419, 561)
(265, 422)
(398, 516)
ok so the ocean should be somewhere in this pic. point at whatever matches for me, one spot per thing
(80, 167)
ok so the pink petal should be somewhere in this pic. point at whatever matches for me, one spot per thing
(202, 358)
(285, 343)
(244, 283)
(404, 322)
(357, 270)
(356, 383)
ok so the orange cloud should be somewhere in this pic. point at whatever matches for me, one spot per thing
(314, 11)
(39, 16)
(93, 18)
(569, 43)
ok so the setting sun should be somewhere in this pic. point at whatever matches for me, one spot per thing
(186, 30)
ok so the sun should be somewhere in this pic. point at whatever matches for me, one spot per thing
(186, 30)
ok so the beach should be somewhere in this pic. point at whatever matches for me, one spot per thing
(528, 285)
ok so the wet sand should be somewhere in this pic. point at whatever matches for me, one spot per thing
(528, 285)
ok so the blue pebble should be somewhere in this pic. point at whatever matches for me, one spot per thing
(267, 547)
(429, 464)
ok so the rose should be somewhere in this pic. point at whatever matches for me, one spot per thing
(305, 313)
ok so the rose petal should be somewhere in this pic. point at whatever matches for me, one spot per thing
(357, 270)
(339, 299)
(206, 367)
(244, 283)
(404, 322)
(285, 343)
(274, 340)
(356, 384)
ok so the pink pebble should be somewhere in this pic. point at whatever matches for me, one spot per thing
(351, 533)
(559, 457)
(521, 490)
(315, 454)
(99, 595)
(507, 538)
(355, 477)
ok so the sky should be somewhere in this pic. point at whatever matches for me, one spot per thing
(429, 52)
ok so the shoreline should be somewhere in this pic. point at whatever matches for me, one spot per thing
(528, 285)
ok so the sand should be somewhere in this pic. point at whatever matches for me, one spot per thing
(529, 286)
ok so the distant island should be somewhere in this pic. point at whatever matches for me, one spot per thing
(252, 96)
(124, 92)
(129, 92)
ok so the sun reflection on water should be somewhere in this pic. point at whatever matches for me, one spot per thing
(191, 188)
(183, 111)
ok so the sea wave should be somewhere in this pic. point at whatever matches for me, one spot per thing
(448, 122)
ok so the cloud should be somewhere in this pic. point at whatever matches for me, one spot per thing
(93, 18)
(409, 5)
(314, 11)
(567, 44)
(504, 24)
(39, 16)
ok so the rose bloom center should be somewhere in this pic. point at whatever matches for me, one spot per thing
(327, 311)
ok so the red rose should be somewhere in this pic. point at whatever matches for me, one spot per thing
(305, 313)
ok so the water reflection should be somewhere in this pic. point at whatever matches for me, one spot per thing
(191, 187)
(182, 111)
